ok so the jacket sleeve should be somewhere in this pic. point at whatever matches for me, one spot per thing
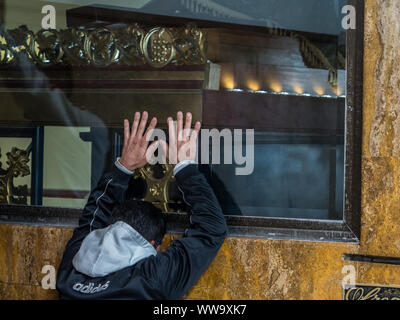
(181, 265)
(109, 192)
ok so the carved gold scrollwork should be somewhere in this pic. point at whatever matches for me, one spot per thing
(73, 41)
(157, 191)
(101, 46)
(128, 42)
(157, 46)
(191, 46)
(45, 47)
(6, 55)
(17, 167)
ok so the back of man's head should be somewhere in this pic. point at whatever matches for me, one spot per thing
(144, 217)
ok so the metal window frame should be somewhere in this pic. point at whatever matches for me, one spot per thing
(347, 230)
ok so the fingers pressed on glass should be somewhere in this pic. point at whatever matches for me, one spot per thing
(135, 124)
(152, 125)
(179, 124)
(126, 132)
(171, 131)
(149, 130)
(142, 124)
(188, 124)
(195, 132)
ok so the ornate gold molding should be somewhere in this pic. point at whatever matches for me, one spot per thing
(157, 188)
(104, 45)
(132, 45)
(17, 166)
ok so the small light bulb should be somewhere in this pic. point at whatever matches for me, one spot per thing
(276, 86)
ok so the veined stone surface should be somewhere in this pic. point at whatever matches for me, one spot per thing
(384, 138)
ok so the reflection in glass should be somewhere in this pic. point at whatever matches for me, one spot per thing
(294, 177)
(277, 67)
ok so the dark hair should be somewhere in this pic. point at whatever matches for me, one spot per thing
(144, 217)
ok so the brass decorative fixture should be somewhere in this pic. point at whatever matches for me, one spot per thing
(17, 167)
(133, 45)
(157, 189)
(101, 46)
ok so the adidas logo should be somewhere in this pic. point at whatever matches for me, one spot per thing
(90, 288)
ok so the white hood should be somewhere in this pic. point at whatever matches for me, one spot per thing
(107, 250)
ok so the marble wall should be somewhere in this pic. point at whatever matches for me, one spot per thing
(271, 269)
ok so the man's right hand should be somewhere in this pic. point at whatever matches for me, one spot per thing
(136, 149)
(182, 142)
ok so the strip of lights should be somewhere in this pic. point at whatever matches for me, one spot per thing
(285, 93)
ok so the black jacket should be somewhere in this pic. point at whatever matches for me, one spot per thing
(166, 275)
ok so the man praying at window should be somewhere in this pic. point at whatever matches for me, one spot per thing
(114, 252)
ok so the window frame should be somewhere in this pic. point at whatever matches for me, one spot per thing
(346, 230)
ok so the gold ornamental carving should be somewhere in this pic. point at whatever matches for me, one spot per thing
(17, 161)
(157, 189)
(102, 46)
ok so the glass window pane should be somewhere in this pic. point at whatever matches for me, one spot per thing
(66, 167)
(275, 67)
